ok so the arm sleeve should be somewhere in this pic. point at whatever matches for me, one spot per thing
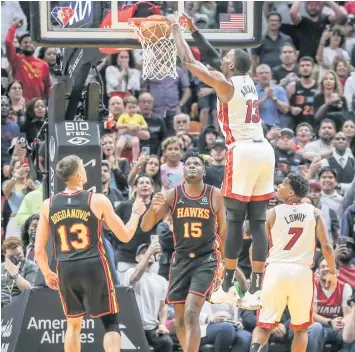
(282, 95)
(11, 54)
(134, 83)
(209, 53)
(142, 121)
(347, 292)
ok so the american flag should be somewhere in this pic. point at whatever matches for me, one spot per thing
(233, 21)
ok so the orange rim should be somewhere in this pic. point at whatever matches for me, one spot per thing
(138, 20)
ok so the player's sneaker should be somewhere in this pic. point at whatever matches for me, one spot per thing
(251, 301)
(220, 296)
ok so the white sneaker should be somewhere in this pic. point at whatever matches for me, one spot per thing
(251, 301)
(220, 296)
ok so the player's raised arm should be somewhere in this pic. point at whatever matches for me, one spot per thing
(42, 235)
(158, 209)
(327, 249)
(124, 232)
(212, 78)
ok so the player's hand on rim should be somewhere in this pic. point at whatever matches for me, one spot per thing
(190, 24)
(172, 20)
(331, 281)
(158, 199)
(139, 207)
(51, 280)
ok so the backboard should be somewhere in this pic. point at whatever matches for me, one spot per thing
(77, 23)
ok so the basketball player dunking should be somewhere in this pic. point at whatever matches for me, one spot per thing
(250, 160)
(292, 228)
(85, 273)
(198, 214)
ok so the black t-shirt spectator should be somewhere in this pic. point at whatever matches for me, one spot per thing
(126, 252)
(279, 72)
(214, 175)
(307, 34)
(157, 130)
(287, 160)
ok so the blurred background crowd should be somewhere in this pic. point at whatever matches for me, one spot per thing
(304, 74)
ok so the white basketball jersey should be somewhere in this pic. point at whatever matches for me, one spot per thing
(293, 236)
(239, 119)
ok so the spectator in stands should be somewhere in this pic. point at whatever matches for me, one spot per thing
(122, 77)
(301, 93)
(119, 166)
(31, 71)
(17, 102)
(349, 131)
(215, 170)
(304, 135)
(207, 139)
(116, 109)
(131, 128)
(323, 146)
(340, 161)
(350, 115)
(287, 72)
(328, 183)
(273, 102)
(36, 112)
(113, 194)
(15, 190)
(349, 92)
(167, 98)
(330, 46)
(225, 329)
(271, 43)
(329, 310)
(4, 81)
(348, 222)
(286, 158)
(329, 214)
(172, 171)
(126, 252)
(30, 205)
(342, 68)
(165, 232)
(17, 272)
(156, 125)
(345, 254)
(9, 130)
(28, 236)
(181, 124)
(150, 290)
(329, 101)
(49, 55)
(150, 165)
(307, 31)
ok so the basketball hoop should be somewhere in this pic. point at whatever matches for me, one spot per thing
(159, 49)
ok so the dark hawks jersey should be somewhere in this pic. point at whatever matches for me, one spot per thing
(194, 222)
(75, 229)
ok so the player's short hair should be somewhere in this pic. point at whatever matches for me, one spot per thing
(299, 184)
(242, 61)
(170, 140)
(67, 167)
(193, 155)
(130, 100)
(307, 58)
(141, 176)
(11, 243)
(304, 124)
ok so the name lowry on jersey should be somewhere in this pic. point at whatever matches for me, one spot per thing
(295, 217)
(190, 212)
(70, 214)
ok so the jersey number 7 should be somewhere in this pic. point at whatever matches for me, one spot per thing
(296, 232)
(253, 106)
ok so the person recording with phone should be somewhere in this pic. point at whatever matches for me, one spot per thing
(17, 272)
(150, 290)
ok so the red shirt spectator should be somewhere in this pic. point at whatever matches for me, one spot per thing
(31, 71)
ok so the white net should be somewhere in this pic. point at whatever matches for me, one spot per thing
(159, 49)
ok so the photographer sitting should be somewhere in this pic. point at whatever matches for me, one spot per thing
(17, 273)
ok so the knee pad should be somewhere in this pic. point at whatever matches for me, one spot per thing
(110, 323)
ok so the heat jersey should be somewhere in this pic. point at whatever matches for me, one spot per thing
(239, 119)
(194, 222)
(75, 229)
(293, 236)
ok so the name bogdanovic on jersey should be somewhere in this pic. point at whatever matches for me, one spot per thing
(78, 214)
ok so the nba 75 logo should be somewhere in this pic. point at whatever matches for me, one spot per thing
(63, 15)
